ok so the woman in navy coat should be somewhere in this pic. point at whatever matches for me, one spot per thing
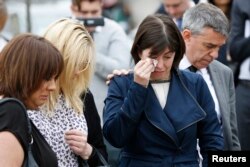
(157, 113)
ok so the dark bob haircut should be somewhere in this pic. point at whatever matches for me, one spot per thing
(158, 32)
(25, 62)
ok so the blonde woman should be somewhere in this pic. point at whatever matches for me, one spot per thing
(62, 120)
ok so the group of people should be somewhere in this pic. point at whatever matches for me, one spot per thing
(65, 123)
(66, 126)
(177, 102)
(138, 114)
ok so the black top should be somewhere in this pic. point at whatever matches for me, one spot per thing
(95, 136)
(13, 119)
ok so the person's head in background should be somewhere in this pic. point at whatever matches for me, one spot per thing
(224, 5)
(76, 46)
(3, 14)
(158, 38)
(3, 20)
(29, 67)
(176, 8)
(87, 9)
(205, 29)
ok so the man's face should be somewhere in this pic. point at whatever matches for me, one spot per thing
(88, 10)
(176, 8)
(202, 49)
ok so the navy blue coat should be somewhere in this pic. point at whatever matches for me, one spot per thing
(152, 136)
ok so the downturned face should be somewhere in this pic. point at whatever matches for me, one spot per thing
(163, 65)
(41, 95)
(176, 8)
(202, 49)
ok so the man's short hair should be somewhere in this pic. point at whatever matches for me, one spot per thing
(78, 2)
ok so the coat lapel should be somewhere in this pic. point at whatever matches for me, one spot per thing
(157, 117)
(181, 107)
(180, 111)
(217, 82)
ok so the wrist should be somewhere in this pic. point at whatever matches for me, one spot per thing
(88, 153)
(143, 83)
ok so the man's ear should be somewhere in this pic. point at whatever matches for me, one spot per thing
(186, 34)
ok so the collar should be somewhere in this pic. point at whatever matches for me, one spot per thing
(185, 63)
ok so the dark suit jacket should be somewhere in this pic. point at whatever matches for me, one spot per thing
(223, 82)
(239, 46)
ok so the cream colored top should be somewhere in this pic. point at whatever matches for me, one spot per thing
(161, 91)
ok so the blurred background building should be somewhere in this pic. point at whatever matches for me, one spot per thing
(34, 15)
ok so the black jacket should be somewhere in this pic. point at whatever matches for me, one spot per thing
(95, 136)
(238, 43)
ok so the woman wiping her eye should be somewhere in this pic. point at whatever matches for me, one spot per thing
(157, 112)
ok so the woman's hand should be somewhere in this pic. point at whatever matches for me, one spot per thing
(142, 71)
(77, 142)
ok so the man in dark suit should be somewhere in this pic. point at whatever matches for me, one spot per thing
(203, 38)
(239, 45)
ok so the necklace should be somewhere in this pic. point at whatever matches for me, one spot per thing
(159, 81)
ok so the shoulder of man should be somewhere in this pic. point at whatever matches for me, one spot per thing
(111, 23)
(218, 66)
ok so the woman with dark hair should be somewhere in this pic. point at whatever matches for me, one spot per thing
(29, 67)
(157, 112)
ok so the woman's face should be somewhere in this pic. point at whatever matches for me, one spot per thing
(164, 65)
(41, 95)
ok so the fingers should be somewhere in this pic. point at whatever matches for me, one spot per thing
(76, 140)
(109, 77)
(116, 73)
(75, 136)
(74, 132)
(144, 67)
(142, 71)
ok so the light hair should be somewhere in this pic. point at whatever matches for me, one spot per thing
(205, 15)
(77, 48)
